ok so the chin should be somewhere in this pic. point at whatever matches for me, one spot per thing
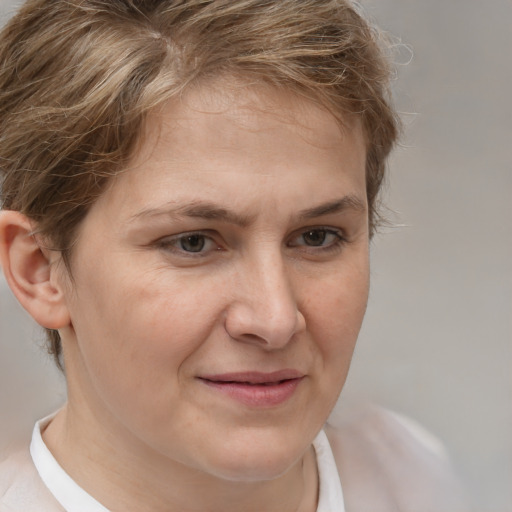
(257, 463)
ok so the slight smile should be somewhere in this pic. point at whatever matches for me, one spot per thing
(256, 389)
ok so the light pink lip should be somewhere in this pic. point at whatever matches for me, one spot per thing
(253, 377)
(256, 389)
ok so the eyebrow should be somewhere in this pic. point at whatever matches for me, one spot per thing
(349, 202)
(197, 210)
(210, 211)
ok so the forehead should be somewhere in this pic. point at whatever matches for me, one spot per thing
(246, 133)
(223, 105)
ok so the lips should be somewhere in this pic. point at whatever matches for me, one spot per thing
(256, 389)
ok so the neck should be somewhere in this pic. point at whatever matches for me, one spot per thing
(122, 474)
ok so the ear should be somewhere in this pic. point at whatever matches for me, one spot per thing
(32, 272)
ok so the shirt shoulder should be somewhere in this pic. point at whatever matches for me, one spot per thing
(21, 488)
(389, 463)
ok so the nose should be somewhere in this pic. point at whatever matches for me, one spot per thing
(264, 308)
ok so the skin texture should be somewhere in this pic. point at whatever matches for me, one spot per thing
(277, 284)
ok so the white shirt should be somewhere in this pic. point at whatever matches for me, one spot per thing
(75, 499)
(386, 463)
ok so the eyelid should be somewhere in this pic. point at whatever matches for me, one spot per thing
(340, 240)
(168, 243)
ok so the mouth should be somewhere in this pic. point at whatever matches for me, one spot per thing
(256, 389)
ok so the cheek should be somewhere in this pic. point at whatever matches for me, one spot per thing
(336, 313)
(336, 306)
(148, 320)
(134, 340)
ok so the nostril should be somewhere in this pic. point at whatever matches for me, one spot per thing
(251, 338)
(301, 322)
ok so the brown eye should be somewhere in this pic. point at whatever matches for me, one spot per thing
(315, 237)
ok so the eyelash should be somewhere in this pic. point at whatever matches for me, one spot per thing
(335, 245)
(171, 243)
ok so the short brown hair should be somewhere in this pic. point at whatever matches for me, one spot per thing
(78, 78)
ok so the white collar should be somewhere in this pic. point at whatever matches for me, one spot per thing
(74, 499)
(330, 496)
(64, 489)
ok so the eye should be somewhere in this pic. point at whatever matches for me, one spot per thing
(318, 238)
(192, 243)
(315, 237)
(189, 244)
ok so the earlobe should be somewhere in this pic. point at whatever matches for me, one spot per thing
(30, 273)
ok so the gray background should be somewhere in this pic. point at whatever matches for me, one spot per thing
(436, 344)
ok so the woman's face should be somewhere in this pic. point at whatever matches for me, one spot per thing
(220, 283)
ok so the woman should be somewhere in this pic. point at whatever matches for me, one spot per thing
(189, 191)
